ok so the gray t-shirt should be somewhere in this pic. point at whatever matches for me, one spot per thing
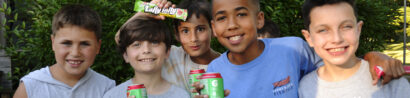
(120, 91)
(358, 85)
(41, 84)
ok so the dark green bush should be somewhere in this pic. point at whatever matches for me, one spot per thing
(28, 30)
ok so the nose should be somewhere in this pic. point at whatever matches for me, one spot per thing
(232, 23)
(146, 48)
(194, 37)
(75, 51)
(337, 37)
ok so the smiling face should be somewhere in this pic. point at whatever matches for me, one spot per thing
(146, 56)
(334, 33)
(75, 49)
(235, 23)
(195, 35)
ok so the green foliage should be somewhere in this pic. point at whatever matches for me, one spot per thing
(28, 29)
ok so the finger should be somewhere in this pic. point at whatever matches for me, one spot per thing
(375, 81)
(168, 4)
(226, 92)
(386, 80)
(400, 69)
(373, 73)
(162, 4)
(393, 70)
(194, 90)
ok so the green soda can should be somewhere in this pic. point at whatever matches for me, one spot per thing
(137, 90)
(192, 78)
(213, 85)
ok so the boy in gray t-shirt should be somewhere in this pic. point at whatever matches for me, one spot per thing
(333, 31)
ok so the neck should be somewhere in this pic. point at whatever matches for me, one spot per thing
(251, 53)
(334, 73)
(153, 82)
(61, 75)
(205, 58)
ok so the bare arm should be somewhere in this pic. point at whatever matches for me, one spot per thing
(21, 91)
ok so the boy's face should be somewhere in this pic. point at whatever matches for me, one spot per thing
(75, 49)
(146, 56)
(235, 23)
(195, 35)
(334, 33)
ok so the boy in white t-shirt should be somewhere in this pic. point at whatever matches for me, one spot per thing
(333, 31)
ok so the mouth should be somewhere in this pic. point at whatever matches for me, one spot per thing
(147, 59)
(235, 39)
(74, 63)
(194, 47)
(337, 51)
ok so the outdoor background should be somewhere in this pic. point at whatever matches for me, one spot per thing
(28, 28)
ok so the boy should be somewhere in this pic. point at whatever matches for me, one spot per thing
(333, 31)
(75, 42)
(257, 68)
(269, 30)
(145, 43)
(195, 35)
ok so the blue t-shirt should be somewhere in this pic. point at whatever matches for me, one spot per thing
(274, 73)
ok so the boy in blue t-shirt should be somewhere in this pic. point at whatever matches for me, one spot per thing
(255, 68)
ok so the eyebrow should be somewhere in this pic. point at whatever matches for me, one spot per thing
(236, 9)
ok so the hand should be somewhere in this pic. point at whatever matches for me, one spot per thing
(130, 96)
(392, 68)
(198, 87)
(160, 3)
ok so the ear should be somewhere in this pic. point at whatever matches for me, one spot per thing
(176, 35)
(307, 36)
(260, 20)
(98, 46)
(359, 27)
(52, 41)
(213, 28)
(125, 56)
(168, 52)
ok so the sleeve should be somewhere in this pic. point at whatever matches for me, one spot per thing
(309, 59)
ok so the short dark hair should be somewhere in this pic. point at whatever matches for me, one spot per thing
(310, 4)
(77, 15)
(144, 29)
(254, 2)
(197, 7)
(271, 27)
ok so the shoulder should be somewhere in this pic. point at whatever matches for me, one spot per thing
(101, 78)
(285, 40)
(119, 90)
(308, 80)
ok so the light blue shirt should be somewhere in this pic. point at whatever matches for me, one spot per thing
(41, 84)
(273, 74)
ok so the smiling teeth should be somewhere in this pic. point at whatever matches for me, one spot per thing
(147, 60)
(337, 49)
(74, 62)
(235, 38)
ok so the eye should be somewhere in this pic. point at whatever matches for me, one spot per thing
(242, 14)
(136, 44)
(322, 31)
(184, 31)
(67, 43)
(221, 18)
(85, 44)
(200, 29)
(155, 43)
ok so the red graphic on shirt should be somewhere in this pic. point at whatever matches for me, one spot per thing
(281, 82)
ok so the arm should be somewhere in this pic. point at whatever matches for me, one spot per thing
(160, 3)
(21, 91)
(393, 68)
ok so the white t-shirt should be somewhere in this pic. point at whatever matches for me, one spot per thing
(358, 85)
(177, 67)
